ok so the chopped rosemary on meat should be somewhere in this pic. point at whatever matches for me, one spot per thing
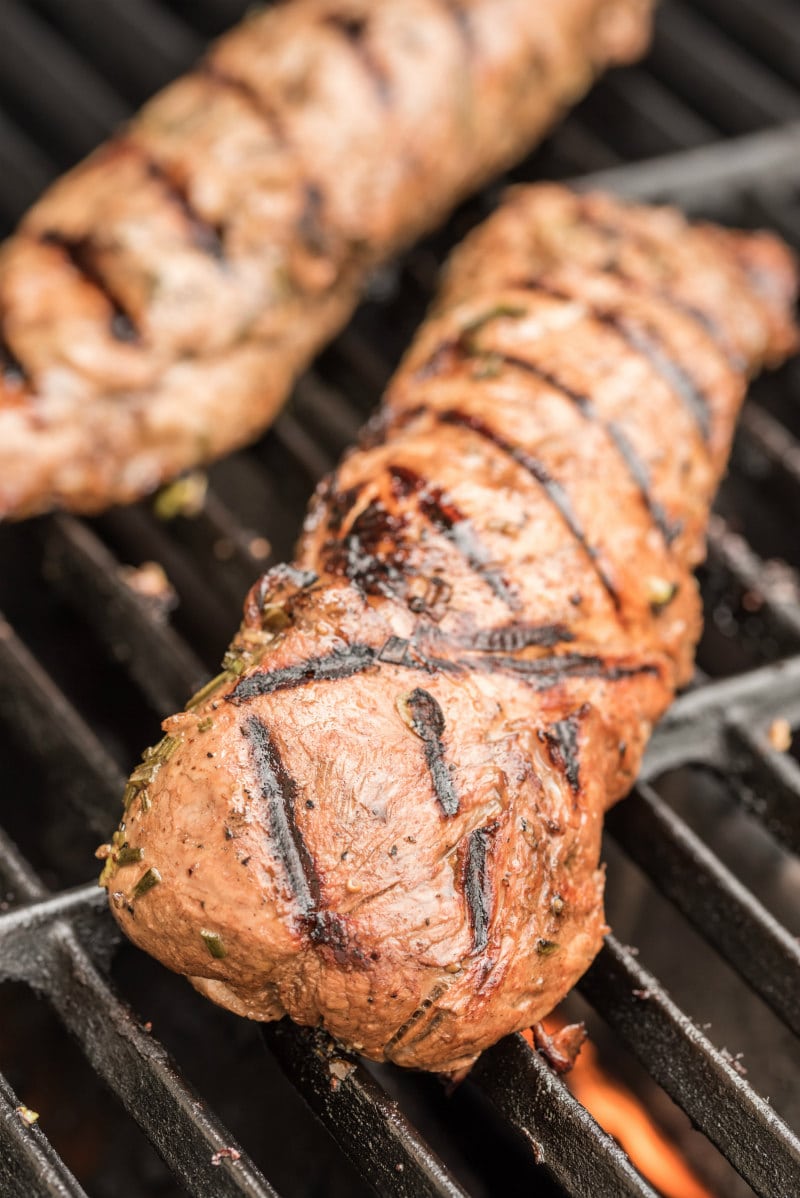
(214, 944)
(148, 880)
(546, 948)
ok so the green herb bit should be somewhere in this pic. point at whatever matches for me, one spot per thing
(490, 366)
(545, 948)
(207, 691)
(233, 663)
(185, 497)
(145, 772)
(166, 747)
(148, 880)
(128, 855)
(130, 793)
(213, 942)
(514, 311)
(660, 593)
(205, 724)
(107, 872)
(274, 617)
(402, 702)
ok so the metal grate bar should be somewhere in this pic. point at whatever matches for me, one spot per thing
(210, 16)
(71, 107)
(40, 945)
(367, 1124)
(702, 81)
(25, 171)
(698, 1077)
(84, 907)
(768, 782)
(718, 78)
(137, 536)
(724, 911)
(29, 1163)
(563, 1136)
(327, 412)
(767, 436)
(770, 27)
(163, 665)
(688, 177)
(349, 1109)
(695, 729)
(137, 44)
(135, 1066)
(56, 734)
(746, 571)
(216, 538)
(16, 874)
(647, 119)
(314, 459)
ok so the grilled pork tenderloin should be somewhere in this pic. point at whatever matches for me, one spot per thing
(384, 816)
(158, 302)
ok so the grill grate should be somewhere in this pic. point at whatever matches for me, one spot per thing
(68, 73)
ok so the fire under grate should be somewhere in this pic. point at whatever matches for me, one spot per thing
(88, 664)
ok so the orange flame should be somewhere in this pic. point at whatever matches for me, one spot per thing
(617, 1109)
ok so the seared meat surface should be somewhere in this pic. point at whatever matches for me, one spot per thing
(384, 816)
(158, 302)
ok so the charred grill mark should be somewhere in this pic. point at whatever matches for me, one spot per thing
(12, 372)
(434, 599)
(442, 360)
(649, 246)
(427, 1030)
(701, 319)
(343, 663)
(451, 522)
(636, 467)
(310, 225)
(641, 476)
(279, 791)
(372, 553)
(561, 739)
(511, 637)
(355, 32)
(553, 489)
(401, 652)
(461, 19)
(543, 673)
(340, 503)
(426, 718)
(414, 1019)
(205, 236)
(254, 100)
(477, 890)
(82, 253)
(395, 651)
(647, 343)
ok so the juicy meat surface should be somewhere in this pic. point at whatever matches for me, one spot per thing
(384, 816)
(158, 302)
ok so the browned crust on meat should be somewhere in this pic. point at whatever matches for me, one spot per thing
(385, 815)
(157, 303)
